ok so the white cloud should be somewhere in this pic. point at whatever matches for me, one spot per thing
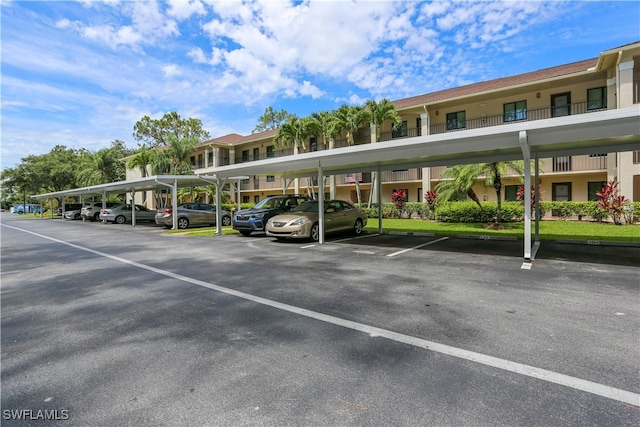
(184, 9)
(172, 70)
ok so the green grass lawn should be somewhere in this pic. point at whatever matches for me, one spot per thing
(549, 230)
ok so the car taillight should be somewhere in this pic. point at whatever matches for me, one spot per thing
(167, 211)
(106, 211)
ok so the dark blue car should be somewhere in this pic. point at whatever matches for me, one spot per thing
(247, 221)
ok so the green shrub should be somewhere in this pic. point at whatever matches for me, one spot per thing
(459, 212)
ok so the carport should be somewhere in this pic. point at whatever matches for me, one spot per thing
(602, 131)
(172, 182)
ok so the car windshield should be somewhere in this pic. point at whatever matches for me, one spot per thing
(308, 206)
(269, 203)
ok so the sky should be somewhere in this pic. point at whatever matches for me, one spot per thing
(82, 73)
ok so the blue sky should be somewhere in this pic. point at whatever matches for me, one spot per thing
(81, 73)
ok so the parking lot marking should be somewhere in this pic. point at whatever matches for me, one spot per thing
(602, 390)
(418, 247)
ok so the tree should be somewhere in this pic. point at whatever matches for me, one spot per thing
(141, 160)
(295, 132)
(324, 126)
(465, 176)
(155, 132)
(349, 119)
(172, 159)
(459, 180)
(103, 166)
(612, 201)
(378, 113)
(271, 120)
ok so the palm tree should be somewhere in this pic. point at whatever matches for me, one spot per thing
(323, 127)
(295, 132)
(378, 113)
(349, 119)
(459, 180)
(493, 173)
(172, 159)
(141, 160)
(463, 177)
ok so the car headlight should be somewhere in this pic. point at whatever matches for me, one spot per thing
(258, 215)
(300, 221)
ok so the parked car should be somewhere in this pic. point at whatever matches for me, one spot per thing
(72, 213)
(302, 221)
(192, 214)
(122, 213)
(91, 211)
(247, 221)
(69, 207)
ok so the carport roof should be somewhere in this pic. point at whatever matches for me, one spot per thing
(142, 184)
(603, 131)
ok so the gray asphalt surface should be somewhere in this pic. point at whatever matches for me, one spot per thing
(114, 325)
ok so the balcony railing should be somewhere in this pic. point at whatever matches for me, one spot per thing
(557, 164)
(363, 136)
(531, 115)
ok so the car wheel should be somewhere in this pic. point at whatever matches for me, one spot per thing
(245, 232)
(357, 229)
(315, 232)
(96, 216)
(183, 223)
(226, 220)
(120, 219)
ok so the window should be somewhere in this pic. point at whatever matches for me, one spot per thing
(593, 188)
(511, 193)
(561, 104)
(313, 144)
(271, 178)
(210, 158)
(245, 199)
(271, 151)
(193, 160)
(256, 154)
(456, 120)
(419, 125)
(400, 132)
(596, 98)
(245, 155)
(561, 191)
(514, 111)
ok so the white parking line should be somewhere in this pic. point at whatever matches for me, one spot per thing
(418, 247)
(609, 392)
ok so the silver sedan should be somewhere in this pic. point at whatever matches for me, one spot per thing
(122, 213)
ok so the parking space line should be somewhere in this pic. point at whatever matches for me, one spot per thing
(418, 246)
(587, 386)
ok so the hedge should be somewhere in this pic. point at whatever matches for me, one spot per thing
(470, 212)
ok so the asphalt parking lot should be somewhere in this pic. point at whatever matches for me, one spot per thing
(118, 325)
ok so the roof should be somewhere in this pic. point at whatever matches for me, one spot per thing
(501, 83)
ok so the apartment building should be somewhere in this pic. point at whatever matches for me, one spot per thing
(608, 81)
